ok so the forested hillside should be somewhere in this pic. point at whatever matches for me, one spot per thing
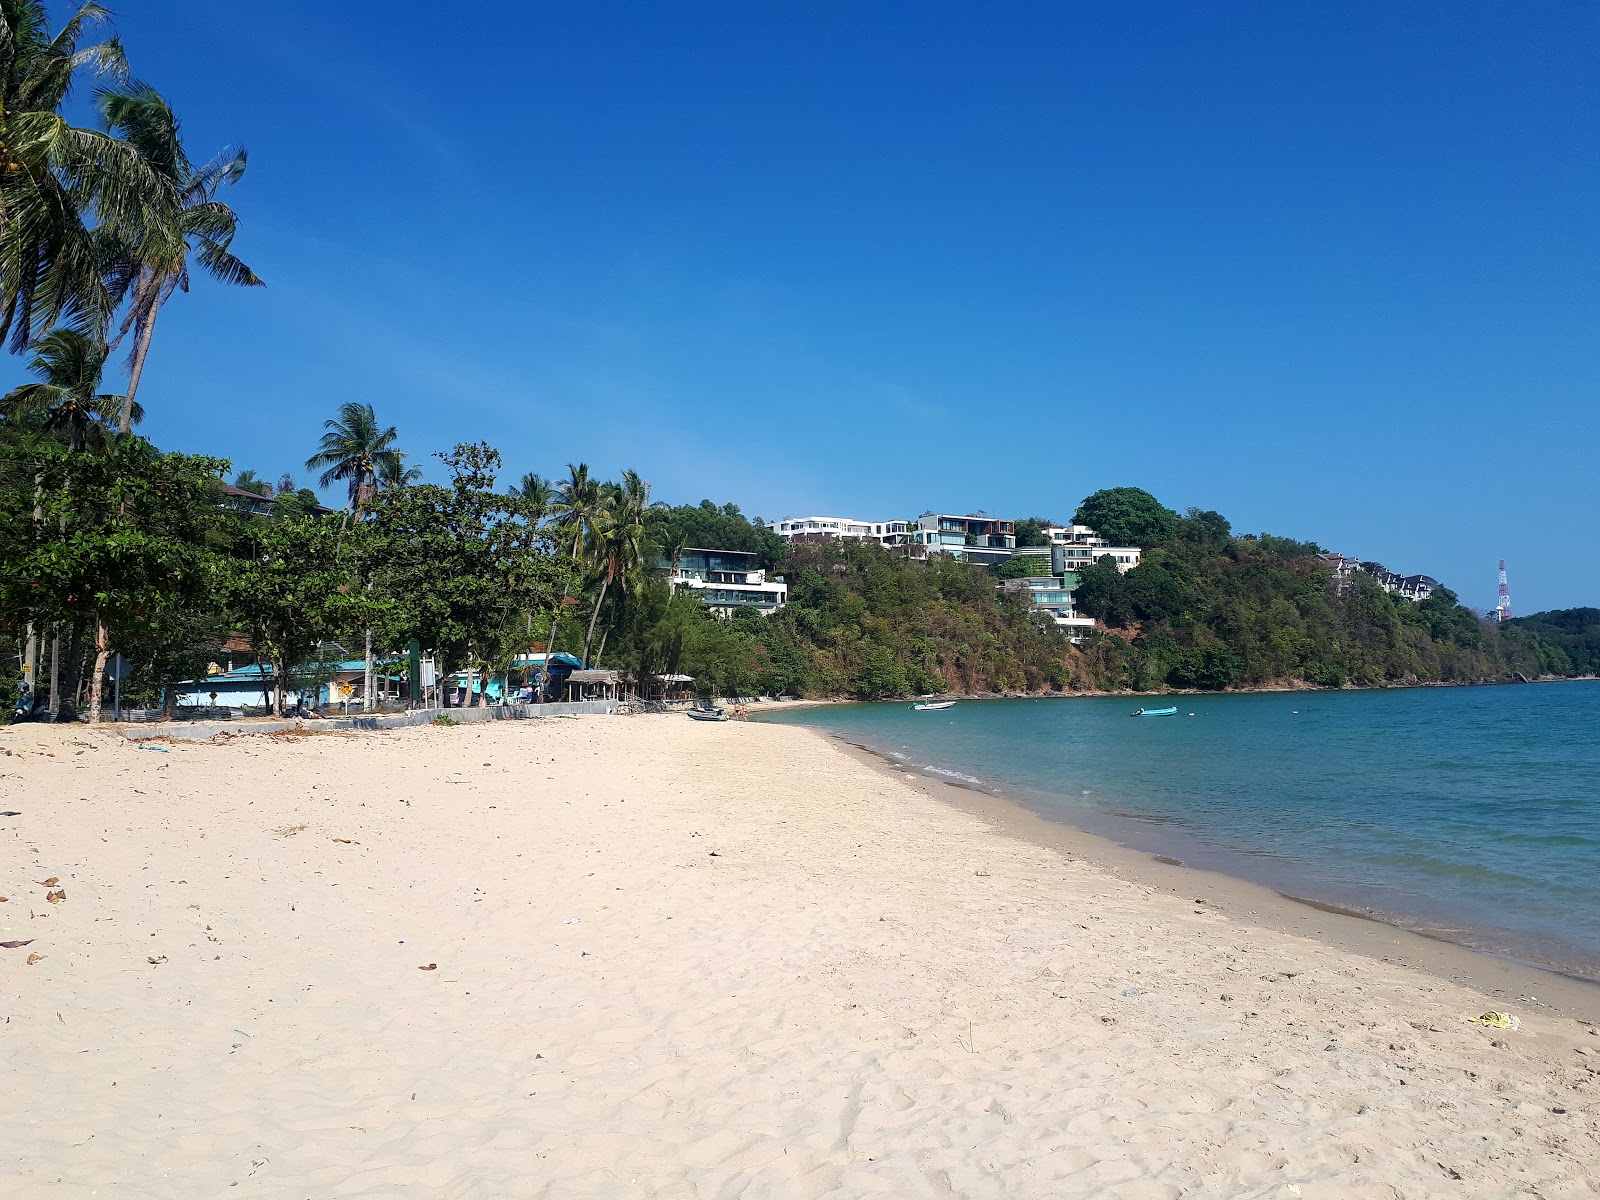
(1207, 609)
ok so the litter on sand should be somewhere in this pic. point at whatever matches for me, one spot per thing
(1497, 1020)
(157, 749)
(573, 920)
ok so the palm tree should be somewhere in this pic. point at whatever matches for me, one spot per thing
(53, 173)
(540, 494)
(68, 398)
(578, 502)
(148, 266)
(393, 473)
(621, 551)
(356, 451)
(249, 481)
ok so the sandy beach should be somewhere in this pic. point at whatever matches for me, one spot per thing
(645, 957)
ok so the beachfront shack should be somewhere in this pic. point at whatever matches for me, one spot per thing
(594, 685)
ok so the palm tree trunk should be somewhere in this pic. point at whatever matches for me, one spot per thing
(601, 653)
(588, 638)
(141, 347)
(30, 658)
(366, 684)
(102, 650)
(55, 669)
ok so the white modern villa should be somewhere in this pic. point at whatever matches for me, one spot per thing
(826, 529)
(727, 580)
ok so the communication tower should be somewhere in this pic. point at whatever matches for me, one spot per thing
(1502, 608)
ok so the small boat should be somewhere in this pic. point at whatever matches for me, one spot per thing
(707, 714)
(932, 705)
(1155, 712)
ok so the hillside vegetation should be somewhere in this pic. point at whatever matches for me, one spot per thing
(1206, 608)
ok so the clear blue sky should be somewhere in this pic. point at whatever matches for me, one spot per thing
(1329, 269)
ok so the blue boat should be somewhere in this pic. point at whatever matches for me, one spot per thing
(1155, 712)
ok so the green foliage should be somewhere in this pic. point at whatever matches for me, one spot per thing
(460, 566)
(1565, 641)
(1030, 532)
(711, 527)
(115, 542)
(1127, 516)
(1205, 609)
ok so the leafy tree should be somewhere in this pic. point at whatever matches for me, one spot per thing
(457, 566)
(1127, 516)
(1030, 532)
(716, 527)
(115, 543)
(288, 581)
(147, 265)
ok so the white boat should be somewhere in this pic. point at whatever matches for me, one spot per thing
(932, 706)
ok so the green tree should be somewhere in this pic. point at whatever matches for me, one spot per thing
(249, 481)
(116, 543)
(455, 568)
(1127, 516)
(356, 452)
(288, 581)
(146, 266)
(1030, 532)
(56, 175)
(67, 400)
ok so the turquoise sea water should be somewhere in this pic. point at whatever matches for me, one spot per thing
(1473, 813)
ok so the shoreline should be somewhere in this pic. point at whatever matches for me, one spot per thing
(1514, 982)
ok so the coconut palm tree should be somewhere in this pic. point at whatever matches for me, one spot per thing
(393, 473)
(354, 450)
(53, 173)
(67, 399)
(249, 481)
(540, 494)
(146, 267)
(621, 551)
(579, 499)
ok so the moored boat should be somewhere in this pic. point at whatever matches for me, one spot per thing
(932, 705)
(707, 714)
(1155, 712)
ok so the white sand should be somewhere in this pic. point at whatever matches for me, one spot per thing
(686, 960)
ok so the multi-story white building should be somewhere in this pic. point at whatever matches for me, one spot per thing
(1052, 594)
(1073, 535)
(727, 580)
(827, 529)
(970, 537)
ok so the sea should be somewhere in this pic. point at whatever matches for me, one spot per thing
(1468, 813)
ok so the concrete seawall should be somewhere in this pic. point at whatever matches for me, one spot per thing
(201, 731)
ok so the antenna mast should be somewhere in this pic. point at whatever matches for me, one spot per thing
(1502, 608)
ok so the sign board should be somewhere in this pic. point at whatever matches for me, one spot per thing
(117, 668)
(430, 673)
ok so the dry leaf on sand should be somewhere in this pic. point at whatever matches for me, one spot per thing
(16, 945)
(429, 967)
(33, 958)
(57, 896)
(51, 882)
